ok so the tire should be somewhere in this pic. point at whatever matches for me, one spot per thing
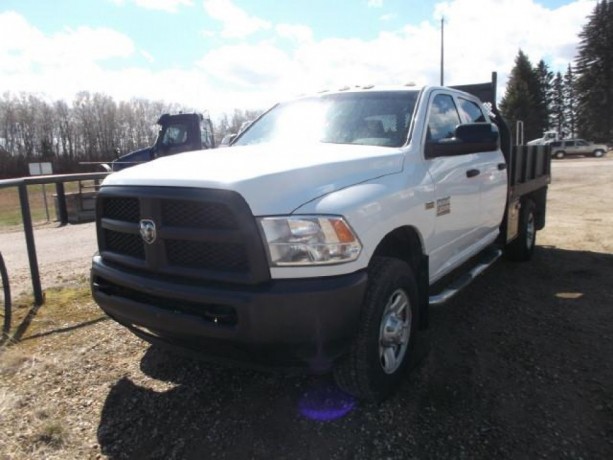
(598, 153)
(6, 293)
(385, 341)
(559, 154)
(522, 247)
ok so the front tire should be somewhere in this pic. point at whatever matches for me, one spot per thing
(522, 247)
(559, 154)
(598, 153)
(386, 337)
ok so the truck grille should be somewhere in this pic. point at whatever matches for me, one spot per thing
(124, 243)
(200, 234)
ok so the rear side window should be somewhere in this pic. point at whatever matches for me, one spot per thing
(470, 111)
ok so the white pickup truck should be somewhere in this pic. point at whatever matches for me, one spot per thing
(320, 238)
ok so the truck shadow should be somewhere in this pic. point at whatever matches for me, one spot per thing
(515, 362)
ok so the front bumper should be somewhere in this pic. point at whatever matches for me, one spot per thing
(281, 323)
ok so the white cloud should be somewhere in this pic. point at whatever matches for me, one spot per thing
(247, 66)
(487, 34)
(297, 33)
(481, 36)
(237, 23)
(148, 56)
(388, 17)
(23, 48)
(375, 3)
(170, 6)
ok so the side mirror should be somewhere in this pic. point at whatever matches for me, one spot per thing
(467, 138)
(485, 134)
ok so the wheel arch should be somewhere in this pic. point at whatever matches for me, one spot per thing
(406, 244)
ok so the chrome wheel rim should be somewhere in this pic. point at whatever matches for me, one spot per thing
(395, 331)
(530, 231)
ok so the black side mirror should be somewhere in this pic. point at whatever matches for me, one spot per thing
(467, 138)
(478, 133)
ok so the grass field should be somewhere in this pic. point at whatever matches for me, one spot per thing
(10, 209)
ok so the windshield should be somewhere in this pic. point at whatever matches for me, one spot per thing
(366, 118)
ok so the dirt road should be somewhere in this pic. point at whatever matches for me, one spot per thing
(63, 254)
(520, 365)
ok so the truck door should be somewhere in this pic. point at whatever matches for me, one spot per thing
(492, 177)
(456, 204)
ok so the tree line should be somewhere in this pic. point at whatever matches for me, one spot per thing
(578, 103)
(88, 130)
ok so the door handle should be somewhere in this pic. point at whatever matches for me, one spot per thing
(502, 166)
(472, 172)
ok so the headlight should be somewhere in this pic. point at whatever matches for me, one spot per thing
(309, 240)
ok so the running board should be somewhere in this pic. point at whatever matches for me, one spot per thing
(464, 280)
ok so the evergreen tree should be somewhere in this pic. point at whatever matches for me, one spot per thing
(558, 119)
(545, 93)
(594, 69)
(570, 102)
(521, 99)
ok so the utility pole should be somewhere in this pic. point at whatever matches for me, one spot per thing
(442, 51)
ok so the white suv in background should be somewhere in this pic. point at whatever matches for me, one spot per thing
(560, 149)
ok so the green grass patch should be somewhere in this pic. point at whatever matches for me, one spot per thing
(10, 207)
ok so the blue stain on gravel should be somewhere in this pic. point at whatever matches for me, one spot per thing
(325, 403)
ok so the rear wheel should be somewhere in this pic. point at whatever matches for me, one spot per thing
(598, 153)
(559, 154)
(385, 341)
(522, 247)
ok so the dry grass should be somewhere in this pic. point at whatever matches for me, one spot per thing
(40, 354)
(64, 308)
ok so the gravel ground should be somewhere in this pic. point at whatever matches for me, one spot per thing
(519, 365)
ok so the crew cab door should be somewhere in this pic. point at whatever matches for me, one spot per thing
(457, 188)
(492, 177)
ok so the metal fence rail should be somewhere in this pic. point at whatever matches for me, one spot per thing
(22, 184)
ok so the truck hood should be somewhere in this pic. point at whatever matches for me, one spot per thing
(273, 179)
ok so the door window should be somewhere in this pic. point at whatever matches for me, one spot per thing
(175, 134)
(443, 118)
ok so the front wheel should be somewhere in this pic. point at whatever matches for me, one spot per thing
(522, 247)
(559, 154)
(385, 340)
(598, 153)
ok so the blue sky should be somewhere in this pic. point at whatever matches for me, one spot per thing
(225, 54)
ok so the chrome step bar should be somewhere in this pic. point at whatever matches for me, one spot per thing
(464, 280)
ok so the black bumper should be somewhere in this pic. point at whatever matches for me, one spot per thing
(282, 323)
